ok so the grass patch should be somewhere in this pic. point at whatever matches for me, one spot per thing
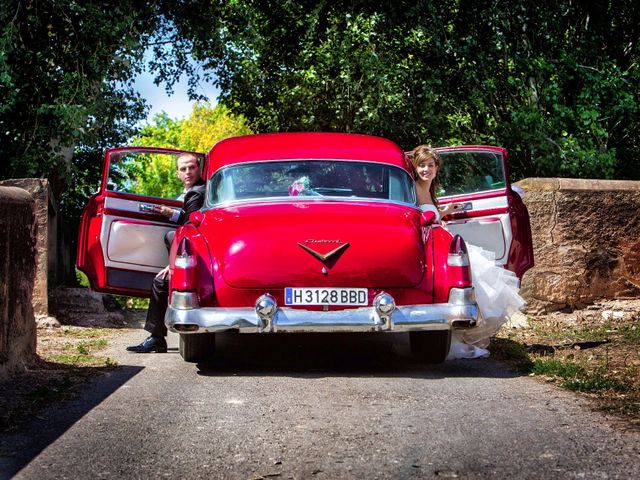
(626, 331)
(81, 278)
(630, 333)
(77, 346)
(84, 347)
(512, 352)
(84, 332)
(556, 367)
(572, 334)
(122, 300)
(577, 377)
(81, 360)
(582, 351)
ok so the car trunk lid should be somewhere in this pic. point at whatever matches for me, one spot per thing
(317, 243)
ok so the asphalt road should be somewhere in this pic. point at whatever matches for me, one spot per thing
(315, 406)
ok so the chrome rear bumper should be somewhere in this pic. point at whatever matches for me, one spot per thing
(460, 312)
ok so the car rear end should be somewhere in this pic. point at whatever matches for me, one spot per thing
(318, 245)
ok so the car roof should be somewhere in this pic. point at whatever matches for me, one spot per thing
(314, 145)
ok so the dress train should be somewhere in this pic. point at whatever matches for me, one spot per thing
(498, 299)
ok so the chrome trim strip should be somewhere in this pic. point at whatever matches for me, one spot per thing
(365, 319)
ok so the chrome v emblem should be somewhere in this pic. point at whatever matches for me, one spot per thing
(327, 255)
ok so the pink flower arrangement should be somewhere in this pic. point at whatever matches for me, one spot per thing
(299, 186)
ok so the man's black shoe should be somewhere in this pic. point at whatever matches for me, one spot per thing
(151, 344)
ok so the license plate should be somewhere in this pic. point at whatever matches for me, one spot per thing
(326, 296)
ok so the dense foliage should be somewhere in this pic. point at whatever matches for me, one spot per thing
(66, 70)
(556, 82)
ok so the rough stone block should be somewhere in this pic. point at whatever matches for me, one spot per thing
(586, 241)
(18, 229)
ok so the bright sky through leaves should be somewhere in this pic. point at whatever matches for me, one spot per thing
(177, 105)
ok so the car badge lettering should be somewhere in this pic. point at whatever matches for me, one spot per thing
(328, 255)
(312, 240)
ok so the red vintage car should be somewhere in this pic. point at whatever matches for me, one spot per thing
(305, 232)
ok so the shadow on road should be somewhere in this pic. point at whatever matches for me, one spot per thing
(324, 355)
(19, 448)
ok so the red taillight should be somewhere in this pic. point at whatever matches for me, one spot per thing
(458, 255)
(184, 268)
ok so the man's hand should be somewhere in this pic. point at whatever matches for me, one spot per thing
(163, 273)
(162, 210)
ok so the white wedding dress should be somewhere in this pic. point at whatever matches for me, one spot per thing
(497, 296)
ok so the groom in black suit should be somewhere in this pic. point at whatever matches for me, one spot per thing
(188, 171)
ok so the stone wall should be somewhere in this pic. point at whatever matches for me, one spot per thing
(18, 229)
(586, 241)
(53, 254)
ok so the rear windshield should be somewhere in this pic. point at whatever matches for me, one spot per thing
(311, 179)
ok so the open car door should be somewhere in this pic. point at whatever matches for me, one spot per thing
(494, 217)
(121, 242)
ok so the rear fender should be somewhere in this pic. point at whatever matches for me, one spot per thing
(445, 276)
(204, 264)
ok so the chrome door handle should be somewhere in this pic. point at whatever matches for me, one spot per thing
(146, 207)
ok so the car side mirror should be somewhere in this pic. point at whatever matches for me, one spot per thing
(196, 218)
(427, 218)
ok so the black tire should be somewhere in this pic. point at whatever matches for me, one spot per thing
(196, 347)
(430, 347)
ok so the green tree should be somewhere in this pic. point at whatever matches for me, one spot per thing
(66, 92)
(556, 82)
(163, 131)
(205, 126)
(209, 124)
(66, 72)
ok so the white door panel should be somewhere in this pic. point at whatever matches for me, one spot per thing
(134, 243)
(492, 233)
(129, 243)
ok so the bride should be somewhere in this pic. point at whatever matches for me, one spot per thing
(496, 288)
